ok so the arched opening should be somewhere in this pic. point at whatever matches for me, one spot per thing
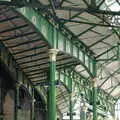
(24, 104)
(40, 107)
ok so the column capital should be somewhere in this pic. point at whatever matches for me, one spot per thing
(85, 108)
(53, 54)
(34, 100)
(94, 82)
(18, 84)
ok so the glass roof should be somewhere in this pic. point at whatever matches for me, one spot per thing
(96, 24)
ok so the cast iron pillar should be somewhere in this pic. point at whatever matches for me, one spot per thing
(94, 89)
(17, 101)
(33, 106)
(94, 98)
(71, 108)
(70, 102)
(83, 115)
(52, 85)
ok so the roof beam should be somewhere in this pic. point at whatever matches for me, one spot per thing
(14, 28)
(109, 77)
(17, 74)
(100, 40)
(88, 23)
(90, 28)
(112, 48)
(90, 9)
(31, 55)
(8, 19)
(17, 36)
(30, 49)
(64, 40)
(101, 3)
(118, 85)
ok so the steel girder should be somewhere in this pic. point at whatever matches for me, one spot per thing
(106, 78)
(86, 60)
(63, 76)
(64, 41)
(19, 76)
(111, 54)
(83, 85)
(60, 45)
(96, 8)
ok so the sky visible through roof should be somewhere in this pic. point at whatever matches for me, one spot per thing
(114, 7)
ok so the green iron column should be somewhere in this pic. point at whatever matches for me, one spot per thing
(33, 106)
(94, 99)
(71, 109)
(83, 114)
(52, 85)
(94, 88)
(70, 102)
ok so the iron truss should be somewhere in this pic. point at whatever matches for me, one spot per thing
(57, 19)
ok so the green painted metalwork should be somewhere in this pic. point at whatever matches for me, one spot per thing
(118, 51)
(100, 40)
(70, 98)
(71, 108)
(52, 92)
(52, 114)
(94, 89)
(32, 108)
(83, 115)
(87, 23)
(14, 69)
(109, 77)
(17, 100)
(48, 28)
(94, 103)
(106, 53)
(114, 88)
(100, 9)
(63, 76)
(85, 89)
